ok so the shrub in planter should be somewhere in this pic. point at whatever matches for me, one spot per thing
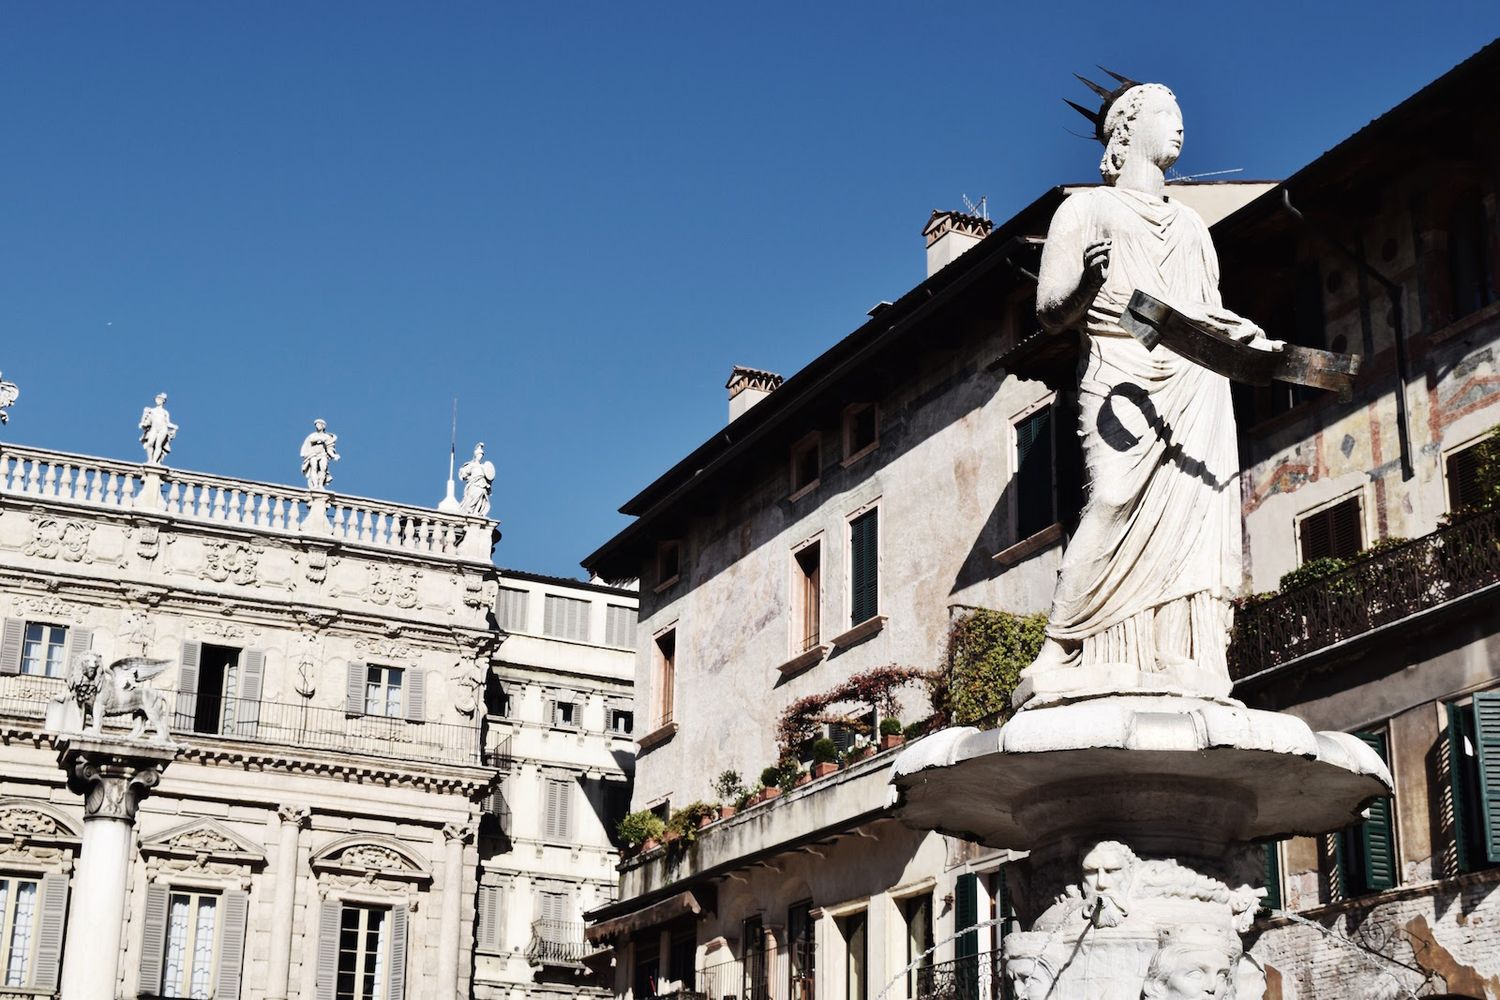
(890, 733)
(638, 827)
(685, 822)
(823, 769)
(824, 751)
(728, 787)
(789, 775)
(770, 776)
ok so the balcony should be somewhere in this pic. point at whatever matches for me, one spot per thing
(976, 977)
(557, 942)
(106, 484)
(243, 720)
(1394, 585)
(499, 755)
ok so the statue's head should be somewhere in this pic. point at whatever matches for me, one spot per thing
(161, 398)
(320, 425)
(90, 663)
(1106, 876)
(479, 451)
(1192, 964)
(1030, 966)
(1144, 121)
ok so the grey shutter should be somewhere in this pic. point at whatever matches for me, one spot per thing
(153, 938)
(1487, 746)
(232, 945)
(549, 809)
(328, 949)
(416, 695)
(80, 640)
(187, 683)
(354, 698)
(10, 646)
(252, 682)
(51, 924)
(565, 795)
(396, 988)
(488, 934)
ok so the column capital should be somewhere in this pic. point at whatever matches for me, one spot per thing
(113, 775)
(297, 816)
(461, 832)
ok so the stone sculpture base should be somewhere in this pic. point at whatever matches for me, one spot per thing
(1139, 813)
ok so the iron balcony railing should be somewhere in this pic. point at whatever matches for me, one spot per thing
(305, 726)
(499, 755)
(974, 977)
(1390, 585)
(557, 942)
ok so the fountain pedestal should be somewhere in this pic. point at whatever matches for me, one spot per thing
(1139, 813)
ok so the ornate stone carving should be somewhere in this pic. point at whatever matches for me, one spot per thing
(465, 680)
(1192, 963)
(52, 609)
(296, 815)
(96, 692)
(371, 856)
(9, 393)
(461, 832)
(393, 585)
(384, 649)
(370, 859)
(135, 632)
(59, 538)
(315, 564)
(148, 541)
(19, 819)
(112, 781)
(224, 630)
(233, 562)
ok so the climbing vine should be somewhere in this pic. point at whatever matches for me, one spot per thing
(846, 704)
(987, 651)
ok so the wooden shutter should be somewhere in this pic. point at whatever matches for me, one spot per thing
(329, 919)
(566, 794)
(11, 642)
(966, 946)
(1487, 746)
(416, 695)
(1377, 837)
(187, 683)
(1034, 506)
(252, 683)
(153, 938)
(553, 809)
(354, 690)
(488, 915)
(513, 606)
(80, 640)
(1465, 488)
(1467, 807)
(51, 925)
(1272, 900)
(1336, 532)
(864, 567)
(232, 945)
(396, 988)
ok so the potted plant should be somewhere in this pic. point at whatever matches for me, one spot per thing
(825, 757)
(695, 816)
(641, 830)
(891, 734)
(770, 783)
(730, 791)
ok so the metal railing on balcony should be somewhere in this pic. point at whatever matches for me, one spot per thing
(201, 718)
(499, 754)
(557, 942)
(1390, 585)
(975, 977)
(195, 496)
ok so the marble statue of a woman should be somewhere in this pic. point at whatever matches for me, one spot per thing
(1142, 599)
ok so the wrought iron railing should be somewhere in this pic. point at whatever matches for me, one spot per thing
(557, 942)
(198, 718)
(499, 754)
(974, 977)
(1390, 585)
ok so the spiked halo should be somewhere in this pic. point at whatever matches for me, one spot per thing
(1109, 97)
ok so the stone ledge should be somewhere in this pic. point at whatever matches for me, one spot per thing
(657, 736)
(859, 633)
(803, 660)
(1030, 546)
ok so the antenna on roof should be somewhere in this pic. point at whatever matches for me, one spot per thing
(1175, 176)
(450, 502)
(982, 210)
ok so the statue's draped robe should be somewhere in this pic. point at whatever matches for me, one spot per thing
(1147, 578)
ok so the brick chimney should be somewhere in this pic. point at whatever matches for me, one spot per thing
(748, 386)
(949, 234)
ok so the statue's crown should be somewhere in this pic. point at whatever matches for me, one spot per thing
(1107, 96)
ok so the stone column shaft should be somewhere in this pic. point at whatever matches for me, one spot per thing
(283, 902)
(455, 836)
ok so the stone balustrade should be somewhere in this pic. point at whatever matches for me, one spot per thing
(203, 498)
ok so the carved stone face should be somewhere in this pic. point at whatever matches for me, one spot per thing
(161, 398)
(1156, 130)
(1195, 973)
(1104, 884)
(1030, 976)
(320, 425)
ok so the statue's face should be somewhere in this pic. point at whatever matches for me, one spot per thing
(319, 425)
(1101, 870)
(1156, 131)
(1198, 974)
(161, 398)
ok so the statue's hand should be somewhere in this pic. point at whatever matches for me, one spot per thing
(1096, 262)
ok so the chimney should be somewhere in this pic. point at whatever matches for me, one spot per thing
(950, 234)
(748, 386)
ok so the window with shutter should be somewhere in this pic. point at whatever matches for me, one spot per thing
(45, 650)
(1367, 850)
(1486, 729)
(1272, 899)
(666, 677)
(251, 683)
(559, 806)
(966, 946)
(51, 925)
(566, 618)
(1336, 531)
(864, 567)
(187, 685)
(619, 626)
(511, 609)
(330, 926)
(1036, 495)
(153, 938)
(807, 625)
(11, 642)
(488, 937)
(194, 929)
(1466, 486)
(232, 944)
(396, 987)
(20, 903)
(369, 949)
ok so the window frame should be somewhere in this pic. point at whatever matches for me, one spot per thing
(811, 441)
(1358, 496)
(872, 507)
(46, 644)
(798, 626)
(195, 897)
(674, 546)
(850, 414)
(379, 986)
(7, 927)
(663, 677)
(616, 713)
(1045, 402)
(386, 673)
(1469, 446)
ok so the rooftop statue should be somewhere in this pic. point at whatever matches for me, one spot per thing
(157, 431)
(1142, 600)
(479, 478)
(317, 452)
(9, 393)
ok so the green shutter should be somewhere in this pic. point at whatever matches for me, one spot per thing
(966, 946)
(1377, 839)
(1272, 901)
(864, 567)
(1487, 744)
(1460, 784)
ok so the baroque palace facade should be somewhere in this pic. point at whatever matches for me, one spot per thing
(367, 801)
(855, 516)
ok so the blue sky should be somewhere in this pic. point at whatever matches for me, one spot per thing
(575, 217)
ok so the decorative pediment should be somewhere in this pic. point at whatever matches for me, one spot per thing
(371, 858)
(27, 820)
(204, 841)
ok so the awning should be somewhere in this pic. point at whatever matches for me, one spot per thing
(682, 904)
